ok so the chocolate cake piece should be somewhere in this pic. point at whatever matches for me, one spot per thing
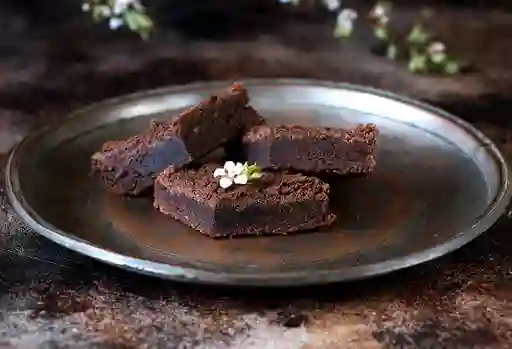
(312, 149)
(130, 166)
(277, 203)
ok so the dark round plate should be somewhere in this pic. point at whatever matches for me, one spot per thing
(439, 183)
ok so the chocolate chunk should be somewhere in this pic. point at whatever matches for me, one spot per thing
(130, 166)
(312, 149)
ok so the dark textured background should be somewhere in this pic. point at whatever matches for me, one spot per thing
(53, 298)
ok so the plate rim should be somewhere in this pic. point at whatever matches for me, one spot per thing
(287, 278)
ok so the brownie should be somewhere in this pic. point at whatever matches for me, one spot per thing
(130, 166)
(277, 203)
(312, 149)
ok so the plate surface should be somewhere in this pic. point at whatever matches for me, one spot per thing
(439, 183)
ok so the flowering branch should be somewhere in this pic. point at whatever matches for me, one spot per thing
(119, 13)
(424, 53)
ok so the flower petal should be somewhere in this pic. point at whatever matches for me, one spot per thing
(219, 172)
(225, 182)
(347, 14)
(239, 168)
(332, 4)
(436, 47)
(229, 166)
(241, 179)
(115, 23)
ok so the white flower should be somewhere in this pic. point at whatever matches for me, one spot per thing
(332, 4)
(225, 182)
(348, 14)
(436, 47)
(240, 179)
(381, 13)
(115, 23)
(233, 169)
(219, 172)
(86, 6)
(122, 5)
(236, 173)
(105, 11)
(345, 22)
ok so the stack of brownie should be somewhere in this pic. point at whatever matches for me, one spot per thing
(285, 197)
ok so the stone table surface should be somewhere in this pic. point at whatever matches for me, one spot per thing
(51, 297)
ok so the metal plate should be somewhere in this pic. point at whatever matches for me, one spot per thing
(439, 183)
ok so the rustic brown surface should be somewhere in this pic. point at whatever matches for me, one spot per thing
(53, 298)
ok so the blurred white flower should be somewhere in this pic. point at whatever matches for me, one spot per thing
(345, 22)
(86, 6)
(105, 11)
(122, 5)
(332, 4)
(380, 12)
(436, 47)
(293, 2)
(115, 23)
(436, 51)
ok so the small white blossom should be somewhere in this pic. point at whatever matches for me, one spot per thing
(239, 168)
(233, 169)
(219, 172)
(225, 182)
(348, 14)
(115, 23)
(345, 22)
(86, 6)
(379, 10)
(237, 173)
(381, 13)
(122, 5)
(105, 11)
(332, 4)
(229, 167)
(436, 47)
(240, 179)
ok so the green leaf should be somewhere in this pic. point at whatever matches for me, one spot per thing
(144, 20)
(392, 51)
(252, 171)
(418, 63)
(138, 22)
(438, 57)
(254, 175)
(130, 19)
(452, 67)
(418, 35)
(381, 32)
(342, 32)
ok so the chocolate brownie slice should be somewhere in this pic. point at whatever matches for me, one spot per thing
(312, 149)
(130, 166)
(277, 203)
